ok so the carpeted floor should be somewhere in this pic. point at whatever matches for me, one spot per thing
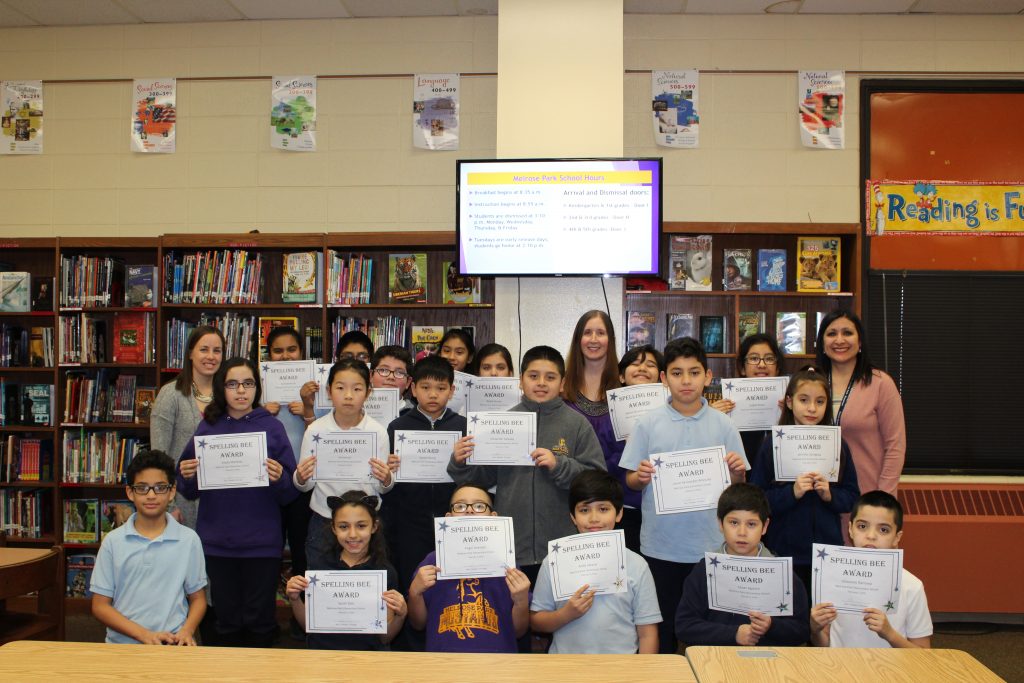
(998, 647)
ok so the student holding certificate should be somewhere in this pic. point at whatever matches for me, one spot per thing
(743, 518)
(413, 505)
(759, 356)
(876, 521)
(673, 543)
(623, 622)
(358, 546)
(805, 511)
(469, 615)
(349, 383)
(535, 497)
(240, 524)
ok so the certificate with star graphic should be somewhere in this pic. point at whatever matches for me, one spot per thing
(686, 481)
(798, 449)
(740, 584)
(231, 461)
(344, 456)
(424, 455)
(346, 601)
(855, 578)
(461, 384)
(383, 404)
(474, 546)
(321, 371)
(757, 401)
(596, 559)
(626, 405)
(493, 394)
(502, 438)
(283, 379)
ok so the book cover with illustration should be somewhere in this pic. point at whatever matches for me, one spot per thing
(139, 284)
(771, 270)
(114, 513)
(144, 398)
(15, 294)
(407, 278)
(713, 329)
(737, 269)
(641, 327)
(750, 322)
(818, 264)
(459, 289)
(81, 520)
(42, 293)
(690, 262)
(79, 575)
(791, 332)
(681, 325)
(37, 402)
(131, 337)
(426, 340)
(300, 275)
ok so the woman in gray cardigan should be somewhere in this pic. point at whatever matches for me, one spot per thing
(179, 406)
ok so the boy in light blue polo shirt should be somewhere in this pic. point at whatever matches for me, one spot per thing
(672, 544)
(149, 576)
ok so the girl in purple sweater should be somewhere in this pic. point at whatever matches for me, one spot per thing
(241, 527)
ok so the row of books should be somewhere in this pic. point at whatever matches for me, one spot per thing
(89, 520)
(222, 276)
(386, 330)
(26, 348)
(240, 331)
(91, 281)
(107, 396)
(81, 338)
(25, 404)
(712, 330)
(349, 278)
(98, 457)
(691, 263)
(24, 513)
(25, 459)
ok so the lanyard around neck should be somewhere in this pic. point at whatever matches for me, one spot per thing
(846, 395)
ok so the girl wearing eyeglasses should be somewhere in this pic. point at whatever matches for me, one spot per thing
(759, 356)
(357, 544)
(349, 385)
(241, 527)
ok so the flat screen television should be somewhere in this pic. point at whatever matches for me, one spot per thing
(522, 217)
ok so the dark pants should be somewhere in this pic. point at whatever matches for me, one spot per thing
(803, 572)
(295, 524)
(525, 643)
(668, 581)
(244, 593)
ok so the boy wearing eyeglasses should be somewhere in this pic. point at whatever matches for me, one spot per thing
(469, 615)
(148, 581)
(389, 368)
(411, 507)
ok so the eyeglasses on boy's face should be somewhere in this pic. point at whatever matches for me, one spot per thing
(479, 508)
(247, 384)
(144, 489)
(397, 374)
(761, 360)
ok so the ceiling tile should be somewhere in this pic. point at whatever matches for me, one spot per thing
(294, 9)
(73, 12)
(655, 6)
(181, 11)
(970, 6)
(855, 6)
(473, 8)
(727, 6)
(401, 8)
(10, 18)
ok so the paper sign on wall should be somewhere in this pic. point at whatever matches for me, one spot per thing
(154, 115)
(435, 111)
(674, 108)
(822, 103)
(293, 113)
(22, 117)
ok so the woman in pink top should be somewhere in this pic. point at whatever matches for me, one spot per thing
(865, 402)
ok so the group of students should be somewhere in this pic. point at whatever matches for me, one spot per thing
(581, 482)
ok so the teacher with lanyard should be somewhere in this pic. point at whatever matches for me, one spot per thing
(865, 403)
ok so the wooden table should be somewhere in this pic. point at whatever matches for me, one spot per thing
(712, 664)
(32, 570)
(49, 661)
